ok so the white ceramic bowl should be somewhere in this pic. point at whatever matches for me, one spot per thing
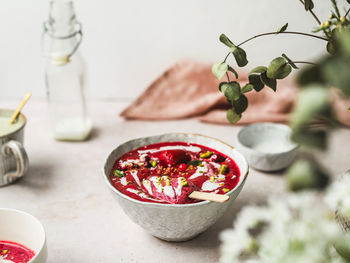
(175, 222)
(267, 146)
(25, 229)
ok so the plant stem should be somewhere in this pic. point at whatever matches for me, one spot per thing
(228, 77)
(227, 56)
(335, 6)
(347, 12)
(312, 12)
(285, 32)
(302, 62)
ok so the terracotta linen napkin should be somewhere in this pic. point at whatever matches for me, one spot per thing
(189, 89)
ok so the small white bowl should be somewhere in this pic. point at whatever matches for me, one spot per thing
(25, 229)
(267, 146)
(175, 222)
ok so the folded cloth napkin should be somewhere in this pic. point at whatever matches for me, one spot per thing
(189, 89)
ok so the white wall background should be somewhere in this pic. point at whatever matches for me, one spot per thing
(128, 43)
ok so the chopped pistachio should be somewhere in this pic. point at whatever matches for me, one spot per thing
(154, 163)
(194, 163)
(223, 169)
(225, 190)
(212, 179)
(4, 251)
(206, 155)
(119, 173)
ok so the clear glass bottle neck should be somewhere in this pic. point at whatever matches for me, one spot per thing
(62, 20)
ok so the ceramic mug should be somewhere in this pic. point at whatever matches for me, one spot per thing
(13, 157)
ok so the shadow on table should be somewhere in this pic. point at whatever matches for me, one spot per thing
(37, 176)
(209, 240)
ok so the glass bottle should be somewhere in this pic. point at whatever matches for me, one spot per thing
(64, 73)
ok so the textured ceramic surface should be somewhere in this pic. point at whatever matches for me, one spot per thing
(23, 228)
(175, 222)
(342, 220)
(13, 157)
(267, 146)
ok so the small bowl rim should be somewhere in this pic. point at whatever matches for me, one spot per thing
(39, 223)
(175, 206)
(242, 145)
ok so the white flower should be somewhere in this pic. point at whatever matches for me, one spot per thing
(338, 195)
(299, 228)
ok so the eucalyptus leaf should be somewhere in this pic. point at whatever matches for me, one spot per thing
(233, 71)
(290, 61)
(219, 70)
(256, 82)
(225, 40)
(341, 245)
(247, 88)
(336, 72)
(282, 29)
(231, 90)
(260, 69)
(232, 116)
(272, 83)
(311, 138)
(241, 104)
(278, 68)
(310, 75)
(312, 101)
(308, 4)
(306, 174)
(240, 56)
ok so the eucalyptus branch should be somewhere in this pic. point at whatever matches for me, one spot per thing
(285, 32)
(227, 56)
(347, 12)
(228, 77)
(302, 62)
(312, 12)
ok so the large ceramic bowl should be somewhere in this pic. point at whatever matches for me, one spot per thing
(175, 222)
(25, 229)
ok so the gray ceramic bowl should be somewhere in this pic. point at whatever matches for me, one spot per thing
(175, 222)
(267, 146)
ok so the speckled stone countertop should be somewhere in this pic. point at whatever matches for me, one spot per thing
(64, 188)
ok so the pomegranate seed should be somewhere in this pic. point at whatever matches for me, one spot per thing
(182, 167)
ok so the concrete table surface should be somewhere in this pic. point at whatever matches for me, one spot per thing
(65, 189)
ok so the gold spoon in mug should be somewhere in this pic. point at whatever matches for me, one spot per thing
(17, 112)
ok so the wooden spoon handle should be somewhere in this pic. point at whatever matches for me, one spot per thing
(209, 196)
(25, 99)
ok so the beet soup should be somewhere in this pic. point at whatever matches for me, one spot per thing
(169, 172)
(11, 252)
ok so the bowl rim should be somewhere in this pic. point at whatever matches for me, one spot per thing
(245, 128)
(36, 220)
(151, 204)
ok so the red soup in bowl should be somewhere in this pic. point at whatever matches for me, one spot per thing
(12, 252)
(169, 172)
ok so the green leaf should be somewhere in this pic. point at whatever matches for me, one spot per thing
(240, 56)
(308, 4)
(232, 91)
(219, 70)
(312, 101)
(272, 83)
(306, 174)
(260, 69)
(311, 138)
(256, 82)
(290, 61)
(278, 68)
(233, 71)
(341, 245)
(310, 75)
(241, 104)
(225, 40)
(336, 72)
(282, 29)
(232, 116)
(247, 88)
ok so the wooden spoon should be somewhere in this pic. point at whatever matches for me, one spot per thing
(209, 196)
(15, 115)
